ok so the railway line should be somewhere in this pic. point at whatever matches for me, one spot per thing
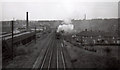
(61, 58)
(47, 57)
(54, 56)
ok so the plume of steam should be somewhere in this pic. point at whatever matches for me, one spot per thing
(66, 26)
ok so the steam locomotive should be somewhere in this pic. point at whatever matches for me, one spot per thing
(59, 34)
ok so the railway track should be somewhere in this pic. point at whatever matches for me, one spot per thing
(53, 57)
(47, 57)
(61, 59)
(39, 60)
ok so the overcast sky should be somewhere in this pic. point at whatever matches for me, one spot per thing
(60, 9)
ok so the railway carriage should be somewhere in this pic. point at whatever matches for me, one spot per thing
(21, 38)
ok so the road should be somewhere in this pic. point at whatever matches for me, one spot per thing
(53, 54)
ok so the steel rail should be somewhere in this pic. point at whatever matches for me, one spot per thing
(63, 58)
(49, 49)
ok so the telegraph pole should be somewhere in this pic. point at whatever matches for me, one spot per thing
(12, 23)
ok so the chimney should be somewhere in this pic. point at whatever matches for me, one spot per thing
(27, 21)
(84, 17)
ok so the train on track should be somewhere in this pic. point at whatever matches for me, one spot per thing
(59, 34)
(19, 38)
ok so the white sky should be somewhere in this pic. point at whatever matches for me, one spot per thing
(59, 9)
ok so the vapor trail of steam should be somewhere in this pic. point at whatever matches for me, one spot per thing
(66, 26)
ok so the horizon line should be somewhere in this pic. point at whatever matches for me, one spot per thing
(59, 19)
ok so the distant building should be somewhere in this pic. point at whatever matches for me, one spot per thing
(6, 26)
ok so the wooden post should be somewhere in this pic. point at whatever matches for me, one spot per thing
(12, 23)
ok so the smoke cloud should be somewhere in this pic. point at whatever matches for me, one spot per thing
(66, 26)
